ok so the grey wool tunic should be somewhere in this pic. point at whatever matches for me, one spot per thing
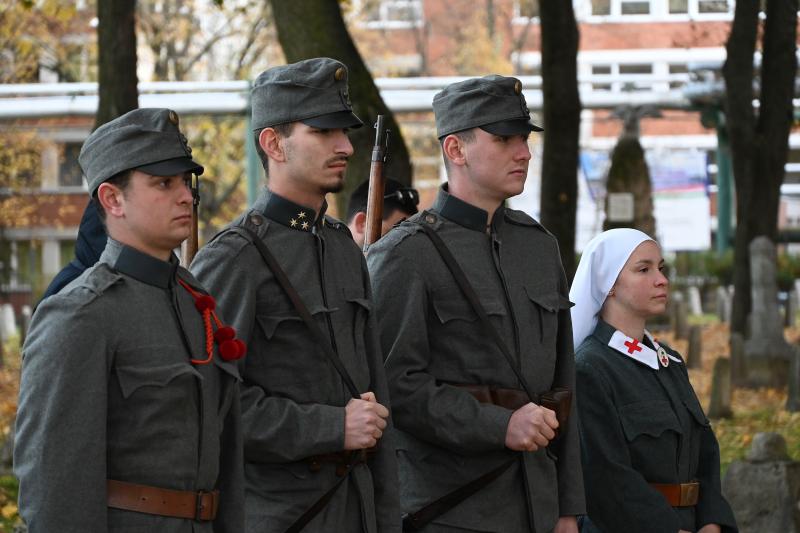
(432, 340)
(643, 425)
(108, 392)
(293, 399)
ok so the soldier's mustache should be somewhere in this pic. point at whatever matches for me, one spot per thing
(336, 160)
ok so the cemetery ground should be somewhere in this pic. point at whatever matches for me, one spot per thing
(754, 411)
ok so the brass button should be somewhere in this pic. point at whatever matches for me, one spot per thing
(173, 117)
(339, 74)
(518, 87)
(256, 220)
(430, 219)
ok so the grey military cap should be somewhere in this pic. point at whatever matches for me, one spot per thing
(493, 103)
(313, 91)
(144, 139)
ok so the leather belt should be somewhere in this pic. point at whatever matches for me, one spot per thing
(679, 494)
(201, 505)
(343, 460)
(558, 400)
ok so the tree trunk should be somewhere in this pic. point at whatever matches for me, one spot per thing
(315, 28)
(759, 146)
(562, 115)
(116, 43)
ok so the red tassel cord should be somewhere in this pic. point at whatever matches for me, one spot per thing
(230, 348)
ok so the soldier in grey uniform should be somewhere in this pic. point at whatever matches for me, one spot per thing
(306, 433)
(129, 418)
(458, 406)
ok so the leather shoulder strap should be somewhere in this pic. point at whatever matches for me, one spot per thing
(472, 298)
(300, 307)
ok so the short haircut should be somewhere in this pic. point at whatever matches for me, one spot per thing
(465, 136)
(283, 130)
(121, 180)
(358, 200)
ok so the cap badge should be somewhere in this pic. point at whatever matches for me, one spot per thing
(518, 87)
(173, 117)
(339, 74)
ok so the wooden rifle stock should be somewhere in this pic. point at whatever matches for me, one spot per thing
(380, 150)
(191, 244)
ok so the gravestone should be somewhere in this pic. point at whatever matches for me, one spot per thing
(8, 325)
(738, 370)
(764, 489)
(25, 323)
(681, 320)
(791, 309)
(695, 302)
(721, 391)
(724, 303)
(694, 355)
(767, 354)
(793, 396)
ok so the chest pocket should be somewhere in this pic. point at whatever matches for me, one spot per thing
(134, 378)
(450, 305)
(546, 306)
(648, 418)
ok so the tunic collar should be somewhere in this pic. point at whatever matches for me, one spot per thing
(139, 265)
(461, 212)
(652, 355)
(295, 216)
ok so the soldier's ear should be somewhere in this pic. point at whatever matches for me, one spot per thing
(453, 148)
(111, 198)
(272, 144)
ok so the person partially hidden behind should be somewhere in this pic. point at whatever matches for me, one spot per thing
(399, 203)
(650, 459)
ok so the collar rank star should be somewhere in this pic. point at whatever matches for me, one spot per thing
(642, 353)
(300, 221)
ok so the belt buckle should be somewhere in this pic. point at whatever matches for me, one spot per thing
(198, 508)
(689, 493)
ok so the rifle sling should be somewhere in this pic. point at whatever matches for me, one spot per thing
(302, 310)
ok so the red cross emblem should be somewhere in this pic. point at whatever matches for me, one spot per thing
(633, 346)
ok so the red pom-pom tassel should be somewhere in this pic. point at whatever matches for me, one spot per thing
(225, 333)
(204, 302)
(231, 349)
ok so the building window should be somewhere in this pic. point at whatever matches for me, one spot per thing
(634, 7)
(393, 13)
(601, 7)
(528, 8)
(712, 6)
(601, 70)
(653, 9)
(678, 75)
(69, 172)
(634, 74)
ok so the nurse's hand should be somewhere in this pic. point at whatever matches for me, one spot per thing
(566, 524)
(710, 528)
(531, 427)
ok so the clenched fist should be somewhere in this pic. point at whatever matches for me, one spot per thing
(364, 422)
(531, 427)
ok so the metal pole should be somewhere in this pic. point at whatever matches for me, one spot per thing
(253, 162)
(724, 185)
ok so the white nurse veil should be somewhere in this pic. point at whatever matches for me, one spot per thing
(600, 265)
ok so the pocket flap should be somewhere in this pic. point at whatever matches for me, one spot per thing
(270, 323)
(549, 301)
(135, 377)
(652, 418)
(356, 295)
(454, 305)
